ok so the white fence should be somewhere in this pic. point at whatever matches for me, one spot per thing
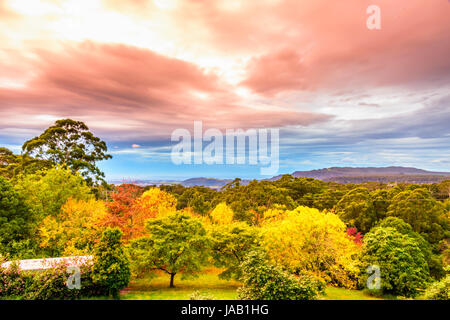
(41, 264)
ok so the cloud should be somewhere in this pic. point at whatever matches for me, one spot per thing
(135, 145)
(123, 90)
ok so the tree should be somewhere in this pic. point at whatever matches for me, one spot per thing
(75, 230)
(175, 243)
(46, 191)
(356, 209)
(403, 266)
(15, 218)
(199, 198)
(157, 202)
(327, 199)
(70, 143)
(222, 214)
(123, 211)
(263, 280)
(434, 261)
(248, 202)
(12, 165)
(111, 266)
(230, 244)
(306, 239)
(418, 208)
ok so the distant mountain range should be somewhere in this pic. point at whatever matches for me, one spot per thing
(206, 182)
(334, 174)
(373, 174)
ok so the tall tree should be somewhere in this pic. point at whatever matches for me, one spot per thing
(70, 143)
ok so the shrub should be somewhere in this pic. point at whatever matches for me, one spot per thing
(265, 281)
(51, 284)
(46, 284)
(12, 281)
(439, 290)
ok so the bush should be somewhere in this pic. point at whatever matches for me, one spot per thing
(13, 282)
(265, 281)
(49, 284)
(439, 290)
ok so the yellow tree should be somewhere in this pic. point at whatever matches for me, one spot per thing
(309, 240)
(222, 214)
(156, 202)
(76, 229)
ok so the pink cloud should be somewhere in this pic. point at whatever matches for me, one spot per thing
(334, 49)
(320, 44)
(131, 91)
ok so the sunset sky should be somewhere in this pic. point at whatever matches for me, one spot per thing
(135, 70)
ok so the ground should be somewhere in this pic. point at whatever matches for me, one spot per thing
(208, 283)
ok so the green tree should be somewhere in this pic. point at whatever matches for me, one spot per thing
(230, 244)
(176, 243)
(403, 267)
(356, 209)
(248, 202)
(197, 197)
(327, 199)
(12, 165)
(434, 261)
(111, 266)
(70, 143)
(15, 219)
(46, 191)
(265, 281)
(419, 209)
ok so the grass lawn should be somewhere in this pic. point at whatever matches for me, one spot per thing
(209, 283)
(333, 293)
(158, 288)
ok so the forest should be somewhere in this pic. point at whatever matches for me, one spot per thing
(288, 239)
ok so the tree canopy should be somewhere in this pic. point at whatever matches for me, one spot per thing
(70, 143)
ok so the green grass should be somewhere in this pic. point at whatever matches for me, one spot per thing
(158, 288)
(333, 293)
(209, 283)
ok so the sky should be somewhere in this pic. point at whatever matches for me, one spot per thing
(136, 70)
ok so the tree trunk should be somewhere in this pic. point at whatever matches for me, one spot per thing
(172, 276)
